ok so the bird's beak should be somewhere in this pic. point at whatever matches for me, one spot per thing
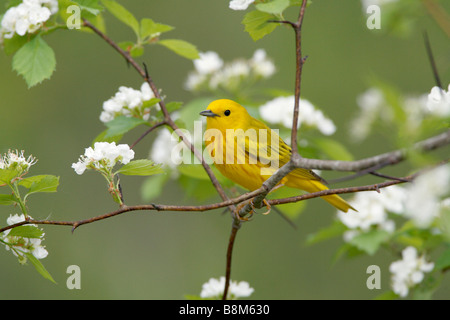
(209, 113)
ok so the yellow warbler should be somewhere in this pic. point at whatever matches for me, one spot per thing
(245, 150)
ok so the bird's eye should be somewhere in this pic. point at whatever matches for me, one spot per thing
(227, 112)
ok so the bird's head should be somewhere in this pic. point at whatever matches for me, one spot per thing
(225, 114)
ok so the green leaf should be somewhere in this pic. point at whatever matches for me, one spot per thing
(443, 262)
(26, 232)
(334, 230)
(197, 171)
(6, 175)
(142, 167)
(181, 47)
(35, 61)
(152, 29)
(102, 138)
(91, 6)
(121, 125)
(274, 7)
(333, 149)
(173, 106)
(291, 210)
(39, 267)
(190, 111)
(153, 186)
(40, 183)
(256, 24)
(6, 199)
(369, 242)
(122, 14)
(10, 46)
(388, 295)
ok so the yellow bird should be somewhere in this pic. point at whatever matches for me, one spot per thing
(244, 150)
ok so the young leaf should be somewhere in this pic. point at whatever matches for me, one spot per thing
(6, 199)
(274, 7)
(334, 230)
(122, 14)
(39, 267)
(152, 29)
(121, 125)
(369, 242)
(26, 232)
(181, 47)
(35, 61)
(256, 24)
(142, 167)
(40, 183)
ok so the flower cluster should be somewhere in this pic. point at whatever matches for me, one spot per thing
(103, 156)
(373, 106)
(16, 160)
(423, 203)
(213, 289)
(128, 102)
(373, 211)
(20, 246)
(27, 17)
(281, 111)
(211, 73)
(409, 271)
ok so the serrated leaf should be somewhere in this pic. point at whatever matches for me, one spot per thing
(35, 61)
(274, 7)
(142, 167)
(26, 232)
(6, 199)
(39, 267)
(152, 29)
(121, 125)
(257, 25)
(122, 14)
(40, 183)
(181, 47)
(369, 242)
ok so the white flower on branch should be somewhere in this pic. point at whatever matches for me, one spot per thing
(128, 102)
(281, 111)
(425, 194)
(211, 73)
(16, 160)
(103, 156)
(27, 17)
(20, 246)
(409, 271)
(213, 289)
(373, 211)
(240, 4)
(438, 102)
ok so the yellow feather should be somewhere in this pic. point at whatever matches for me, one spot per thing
(242, 153)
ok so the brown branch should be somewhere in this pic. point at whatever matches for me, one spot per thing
(157, 125)
(438, 13)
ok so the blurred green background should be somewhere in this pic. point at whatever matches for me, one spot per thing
(165, 255)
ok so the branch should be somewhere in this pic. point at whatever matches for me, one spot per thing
(167, 119)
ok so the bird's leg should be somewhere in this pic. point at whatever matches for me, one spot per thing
(268, 206)
(242, 205)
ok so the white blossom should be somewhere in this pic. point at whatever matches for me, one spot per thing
(281, 111)
(20, 246)
(212, 73)
(424, 194)
(27, 17)
(240, 4)
(214, 289)
(128, 102)
(438, 102)
(409, 271)
(17, 160)
(373, 211)
(104, 155)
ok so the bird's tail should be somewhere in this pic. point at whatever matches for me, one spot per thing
(315, 186)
